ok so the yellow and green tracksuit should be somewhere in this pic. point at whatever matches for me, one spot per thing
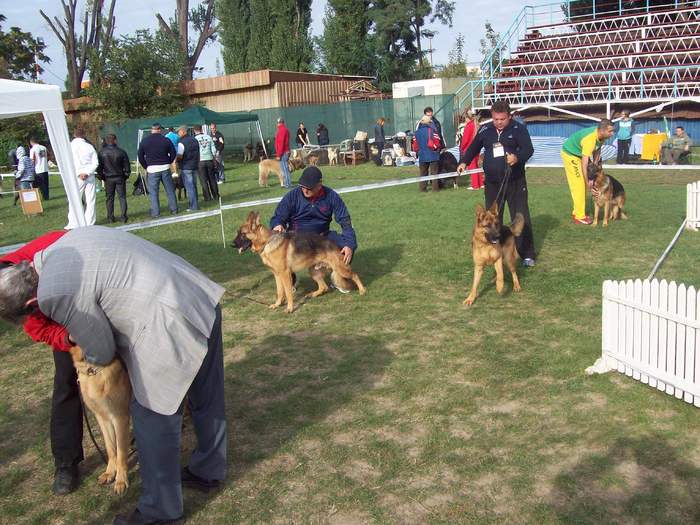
(581, 144)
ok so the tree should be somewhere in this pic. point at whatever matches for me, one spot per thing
(490, 51)
(203, 19)
(457, 62)
(441, 10)
(345, 46)
(141, 78)
(89, 49)
(291, 46)
(18, 51)
(235, 33)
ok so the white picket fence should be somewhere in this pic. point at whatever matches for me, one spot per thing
(692, 209)
(651, 332)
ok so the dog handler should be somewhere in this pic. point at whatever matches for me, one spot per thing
(118, 294)
(310, 208)
(505, 141)
(576, 154)
(66, 427)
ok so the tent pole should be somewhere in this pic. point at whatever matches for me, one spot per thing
(262, 139)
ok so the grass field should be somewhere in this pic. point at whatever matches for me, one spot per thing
(403, 406)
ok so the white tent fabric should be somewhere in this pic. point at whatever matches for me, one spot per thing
(23, 98)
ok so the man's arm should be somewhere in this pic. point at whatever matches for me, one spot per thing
(142, 156)
(172, 154)
(342, 217)
(100, 165)
(283, 212)
(85, 322)
(525, 149)
(94, 161)
(126, 164)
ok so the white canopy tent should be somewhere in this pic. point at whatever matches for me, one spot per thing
(24, 98)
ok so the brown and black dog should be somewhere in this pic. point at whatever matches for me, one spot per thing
(266, 166)
(289, 252)
(611, 197)
(107, 392)
(494, 243)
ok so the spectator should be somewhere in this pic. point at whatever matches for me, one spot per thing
(66, 427)
(12, 157)
(207, 174)
(471, 128)
(310, 208)
(379, 139)
(282, 151)
(302, 136)
(172, 136)
(322, 135)
(218, 139)
(114, 169)
(624, 137)
(428, 112)
(676, 146)
(24, 176)
(156, 155)
(188, 157)
(507, 147)
(40, 158)
(576, 154)
(428, 157)
(86, 163)
(120, 295)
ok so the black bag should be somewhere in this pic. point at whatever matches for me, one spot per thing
(138, 187)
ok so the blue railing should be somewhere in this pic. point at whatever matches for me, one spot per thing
(550, 14)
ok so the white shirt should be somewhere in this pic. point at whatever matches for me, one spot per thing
(84, 156)
(40, 158)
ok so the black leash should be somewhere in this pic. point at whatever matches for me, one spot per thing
(504, 184)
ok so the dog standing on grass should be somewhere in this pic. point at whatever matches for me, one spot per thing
(267, 166)
(494, 244)
(106, 391)
(289, 252)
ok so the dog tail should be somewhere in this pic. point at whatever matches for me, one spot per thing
(518, 224)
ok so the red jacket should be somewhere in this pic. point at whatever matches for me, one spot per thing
(37, 326)
(281, 140)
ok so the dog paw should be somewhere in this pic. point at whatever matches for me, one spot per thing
(274, 306)
(469, 301)
(363, 291)
(516, 288)
(106, 477)
(120, 487)
(289, 309)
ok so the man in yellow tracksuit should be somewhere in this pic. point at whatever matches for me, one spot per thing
(576, 154)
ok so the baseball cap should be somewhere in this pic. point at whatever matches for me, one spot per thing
(310, 177)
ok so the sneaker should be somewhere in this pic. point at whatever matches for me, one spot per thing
(195, 482)
(339, 289)
(528, 262)
(471, 189)
(587, 221)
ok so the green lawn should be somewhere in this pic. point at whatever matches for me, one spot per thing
(403, 406)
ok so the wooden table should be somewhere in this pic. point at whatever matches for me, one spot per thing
(353, 156)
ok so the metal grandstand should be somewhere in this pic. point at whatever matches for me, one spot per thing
(585, 53)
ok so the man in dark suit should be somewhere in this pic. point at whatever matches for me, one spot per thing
(114, 169)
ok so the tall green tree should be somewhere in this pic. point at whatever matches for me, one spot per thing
(490, 50)
(421, 11)
(345, 45)
(18, 51)
(266, 34)
(235, 33)
(141, 77)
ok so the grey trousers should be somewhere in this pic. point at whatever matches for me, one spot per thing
(158, 437)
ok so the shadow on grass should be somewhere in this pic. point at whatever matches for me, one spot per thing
(541, 226)
(638, 480)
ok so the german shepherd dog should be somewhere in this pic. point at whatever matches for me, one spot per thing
(494, 243)
(289, 252)
(266, 166)
(107, 392)
(610, 194)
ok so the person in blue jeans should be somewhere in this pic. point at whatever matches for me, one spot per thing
(188, 157)
(156, 154)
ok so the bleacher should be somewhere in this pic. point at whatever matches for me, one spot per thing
(610, 51)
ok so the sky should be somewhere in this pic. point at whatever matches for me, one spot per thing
(469, 19)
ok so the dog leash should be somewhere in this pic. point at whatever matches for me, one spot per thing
(504, 184)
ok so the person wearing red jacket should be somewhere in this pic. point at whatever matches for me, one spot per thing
(282, 151)
(66, 409)
(470, 130)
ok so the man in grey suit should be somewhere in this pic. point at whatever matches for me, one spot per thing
(119, 294)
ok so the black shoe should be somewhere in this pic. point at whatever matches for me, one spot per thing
(111, 219)
(195, 482)
(66, 480)
(124, 219)
(136, 518)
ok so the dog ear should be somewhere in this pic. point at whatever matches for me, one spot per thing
(251, 217)
(479, 211)
(494, 208)
(256, 219)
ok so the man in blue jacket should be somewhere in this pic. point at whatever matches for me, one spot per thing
(310, 208)
(507, 147)
(156, 155)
